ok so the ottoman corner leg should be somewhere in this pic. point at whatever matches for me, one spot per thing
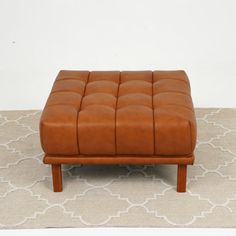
(57, 177)
(181, 178)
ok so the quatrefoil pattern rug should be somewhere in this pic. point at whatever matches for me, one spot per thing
(117, 195)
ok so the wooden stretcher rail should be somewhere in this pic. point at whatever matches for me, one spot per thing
(118, 160)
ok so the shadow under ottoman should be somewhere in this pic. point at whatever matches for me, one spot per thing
(112, 117)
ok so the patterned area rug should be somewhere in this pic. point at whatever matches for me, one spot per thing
(117, 195)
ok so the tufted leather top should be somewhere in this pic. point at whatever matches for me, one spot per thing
(119, 113)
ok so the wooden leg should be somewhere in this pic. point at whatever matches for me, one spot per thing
(57, 177)
(181, 182)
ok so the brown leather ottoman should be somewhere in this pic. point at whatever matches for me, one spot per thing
(112, 117)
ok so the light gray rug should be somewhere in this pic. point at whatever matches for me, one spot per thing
(117, 195)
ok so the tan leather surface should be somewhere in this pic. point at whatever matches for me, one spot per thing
(119, 113)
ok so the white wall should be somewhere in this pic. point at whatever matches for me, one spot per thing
(38, 38)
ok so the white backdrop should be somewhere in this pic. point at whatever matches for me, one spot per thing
(38, 38)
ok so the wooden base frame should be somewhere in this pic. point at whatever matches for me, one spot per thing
(181, 161)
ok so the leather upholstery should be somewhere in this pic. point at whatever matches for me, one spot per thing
(119, 113)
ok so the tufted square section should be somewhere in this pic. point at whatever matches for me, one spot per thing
(58, 131)
(134, 130)
(170, 86)
(135, 86)
(174, 75)
(102, 86)
(136, 75)
(69, 85)
(102, 99)
(99, 113)
(65, 98)
(73, 74)
(134, 99)
(112, 76)
(96, 129)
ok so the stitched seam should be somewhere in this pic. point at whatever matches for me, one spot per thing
(77, 119)
(153, 120)
(116, 110)
(72, 78)
(177, 105)
(62, 104)
(172, 91)
(64, 90)
(185, 81)
(106, 94)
